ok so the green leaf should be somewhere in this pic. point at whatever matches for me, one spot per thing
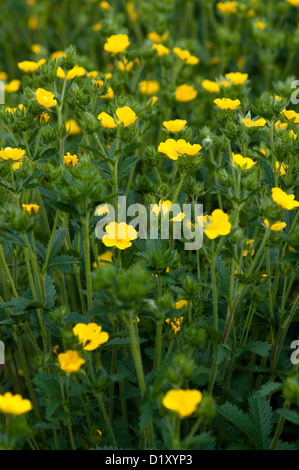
(146, 414)
(269, 388)
(290, 415)
(125, 165)
(50, 292)
(261, 416)
(48, 384)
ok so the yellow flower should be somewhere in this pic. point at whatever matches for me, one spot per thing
(174, 148)
(105, 6)
(217, 224)
(70, 361)
(181, 304)
(30, 207)
(14, 404)
(162, 207)
(117, 43)
(258, 123)
(149, 87)
(91, 335)
(13, 110)
(104, 259)
(32, 22)
(183, 402)
(154, 100)
(276, 227)
(237, 78)
(294, 3)
(55, 55)
(283, 168)
(175, 126)
(210, 86)
(227, 103)
(76, 71)
(126, 116)
(11, 153)
(3, 76)
(287, 201)
(260, 25)
(125, 65)
(36, 48)
(243, 163)
(292, 134)
(45, 98)
(119, 235)
(185, 93)
(43, 116)
(246, 252)
(72, 127)
(175, 324)
(97, 27)
(158, 38)
(226, 8)
(280, 125)
(107, 121)
(291, 115)
(68, 158)
(109, 95)
(12, 86)
(185, 56)
(161, 50)
(30, 66)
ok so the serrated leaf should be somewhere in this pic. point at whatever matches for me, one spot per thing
(261, 415)
(290, 415)
(50, 292)
(48, 384)
(269, 388)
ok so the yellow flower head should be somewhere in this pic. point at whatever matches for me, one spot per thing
(36, 48)
(55, 55)
(45, 98)
(216, 224)
(11, 153)
(163, 207)
(249, 243)
(125, 65)
(119, 235)
(287, 201)
(185, 93)
(260, 25)
(291, 115)
(174, 148)
(91, 335)
(226, 8)
(104, 259)
(158, 38)
(183, 402)
(175, 126)
(258, 123)
(14, 404)
(68, 158)
(30, 66)
(70, 361)
(241, 162)
(75, 72)
(72, 127)
(117, 43)
(283, 168)
(43, 117)
(97, 27)
(185, 56)
(210, 86)
(227, 103)
(109, 95)
(3, 76)
(105, 6)
(30, 207)
(276, 227)
(237, 78)
(181, 304)
(175, 324)
(294, 3)
(149, 87)
(12, 86)
(161, 50)
(126, 116)
(107, 121)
